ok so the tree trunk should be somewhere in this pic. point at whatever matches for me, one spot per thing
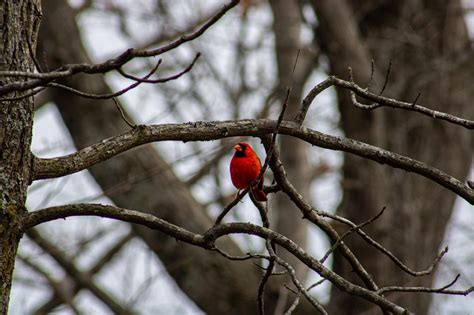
(428, 44)
(19, 22)
(142, 180)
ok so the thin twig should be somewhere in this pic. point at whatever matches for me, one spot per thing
(309, 98)
(350, 231)
(42, 79)
(274, 273)
(296, 282)
(314, 285)
(33, 56)
(161, 80)
(442, 290)
(354, 97)
(279, 173)
(22, 96)
(261, 286)
(416, 99)
(293, 305)
(107, 95)
(231, 205)
(387, 75)
(263, 211)
(279, 120)
(122, 113)
(372, 71)
(271, 262)
(379, 101)
(382, 249)
(232, 257)
(389, 102)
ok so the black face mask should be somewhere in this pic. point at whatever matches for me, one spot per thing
(240, 153)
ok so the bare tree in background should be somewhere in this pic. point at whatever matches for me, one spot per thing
(373, 272)
(430, 51)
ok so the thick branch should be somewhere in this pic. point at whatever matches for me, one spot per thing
(61, 212)
(202, 131)
(206, 240)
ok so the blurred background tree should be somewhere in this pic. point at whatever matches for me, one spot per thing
(246, 65)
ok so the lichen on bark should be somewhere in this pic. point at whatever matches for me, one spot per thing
(19, 21)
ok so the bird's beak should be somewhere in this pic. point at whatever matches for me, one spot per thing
(238, 147)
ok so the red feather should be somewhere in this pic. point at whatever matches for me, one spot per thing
(245, 167)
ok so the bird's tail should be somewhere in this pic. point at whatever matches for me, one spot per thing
(258, 193)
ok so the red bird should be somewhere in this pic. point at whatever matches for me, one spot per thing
(245, 167)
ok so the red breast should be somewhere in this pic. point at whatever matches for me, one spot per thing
(245, 167)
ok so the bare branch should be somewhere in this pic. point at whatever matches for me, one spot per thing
(293, 305)
(372, 71)
(161, 80)
(22, 96)
(231, 205)
(122, 114)
(350, 231)
(232, 257)
(261, 287)
(387, 75)
(281, 178)
(296, 282)
(279, 121)
(207, 240)
(271, 249)
(307, 209)
(416, 99)
(201, 131)
(61, 212)
(108, 95)
(442, 290)
(42, 79)
(389, 102)
(298, 294)
(309, 98)
(381, 248)
(379, 102)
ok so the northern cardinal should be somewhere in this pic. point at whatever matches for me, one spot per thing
(245, 167)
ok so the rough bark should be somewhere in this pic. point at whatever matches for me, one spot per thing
(197, 131)
(141, 179)
(427, 42)
(19, 22)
